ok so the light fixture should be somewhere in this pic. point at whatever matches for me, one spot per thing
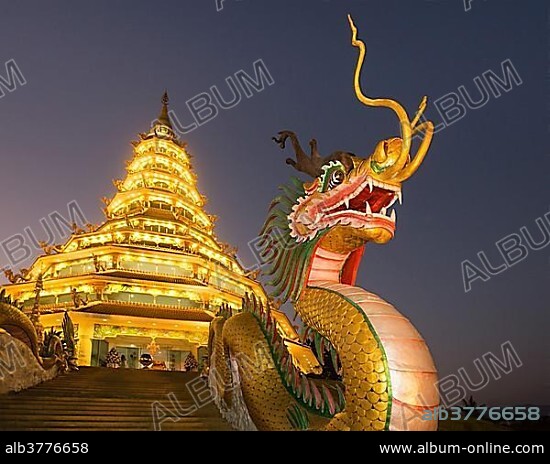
(153, 348)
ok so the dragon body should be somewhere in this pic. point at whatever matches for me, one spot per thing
(55, 351)
(383, 376)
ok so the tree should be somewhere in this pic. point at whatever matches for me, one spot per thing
(190, 363)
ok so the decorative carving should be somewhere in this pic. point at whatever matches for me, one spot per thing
(22, 276)
(177, 213)
(254, 274)
(229, 249)
(76, 229)
(129, 223)
(70, 342)
(275, 303)
(35, 315)
(99, 265)
(77, 299)
(91, 227)
(119, 185)
(50, 249)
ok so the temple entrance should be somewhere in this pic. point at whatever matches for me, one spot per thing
(100, 348)
(167, 354)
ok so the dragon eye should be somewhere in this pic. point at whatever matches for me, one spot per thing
(336, 178)
(333, 175)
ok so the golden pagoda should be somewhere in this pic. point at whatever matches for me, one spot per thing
(152, 276)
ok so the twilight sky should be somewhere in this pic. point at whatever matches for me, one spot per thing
(95, 73)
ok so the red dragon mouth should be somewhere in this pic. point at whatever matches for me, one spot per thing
(365, 205)
(372, 199)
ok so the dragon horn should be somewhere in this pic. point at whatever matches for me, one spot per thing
(397, 108)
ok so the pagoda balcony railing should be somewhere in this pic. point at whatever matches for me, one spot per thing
(200, 307)
(50, 308)
(88, 298)
(156, 247)
(193, 279)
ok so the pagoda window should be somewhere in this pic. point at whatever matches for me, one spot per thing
(65, 298)
(160, 229)
(147, 267)
(180, 302)
(160, 205)
(232, 288)
(76, 269)
(128, 297)
(133, 265)
(159, 167)
(119, 296)
(162, 185)
(142, 298)
(47, 300)
(166, 269)
(135, 206)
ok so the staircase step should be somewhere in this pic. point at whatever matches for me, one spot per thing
(106, 399)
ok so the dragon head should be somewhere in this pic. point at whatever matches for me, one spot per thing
(351, 199)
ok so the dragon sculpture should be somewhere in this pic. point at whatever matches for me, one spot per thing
(21, 276)
(56, 350)
(312, 243)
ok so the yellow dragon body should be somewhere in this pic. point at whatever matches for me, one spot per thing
(50, 350)
(382, 374)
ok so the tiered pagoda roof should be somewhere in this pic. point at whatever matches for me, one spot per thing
(155, 255)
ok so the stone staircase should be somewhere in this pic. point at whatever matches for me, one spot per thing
(109, 399)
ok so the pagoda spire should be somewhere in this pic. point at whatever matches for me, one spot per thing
(162, 126)
(164, 117)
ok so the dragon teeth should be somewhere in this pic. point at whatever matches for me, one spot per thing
(370, 183)
(346, 202)
(393, 215)
(400, 197)
(368, 210)
(392, 201)
(383, 211)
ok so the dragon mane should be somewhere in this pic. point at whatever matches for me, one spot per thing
(283, 259)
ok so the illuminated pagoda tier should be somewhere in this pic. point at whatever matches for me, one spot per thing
(153, 275)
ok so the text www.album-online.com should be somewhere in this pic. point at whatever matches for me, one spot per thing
(485, 448)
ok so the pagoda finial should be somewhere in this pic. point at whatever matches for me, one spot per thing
(164, 118)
